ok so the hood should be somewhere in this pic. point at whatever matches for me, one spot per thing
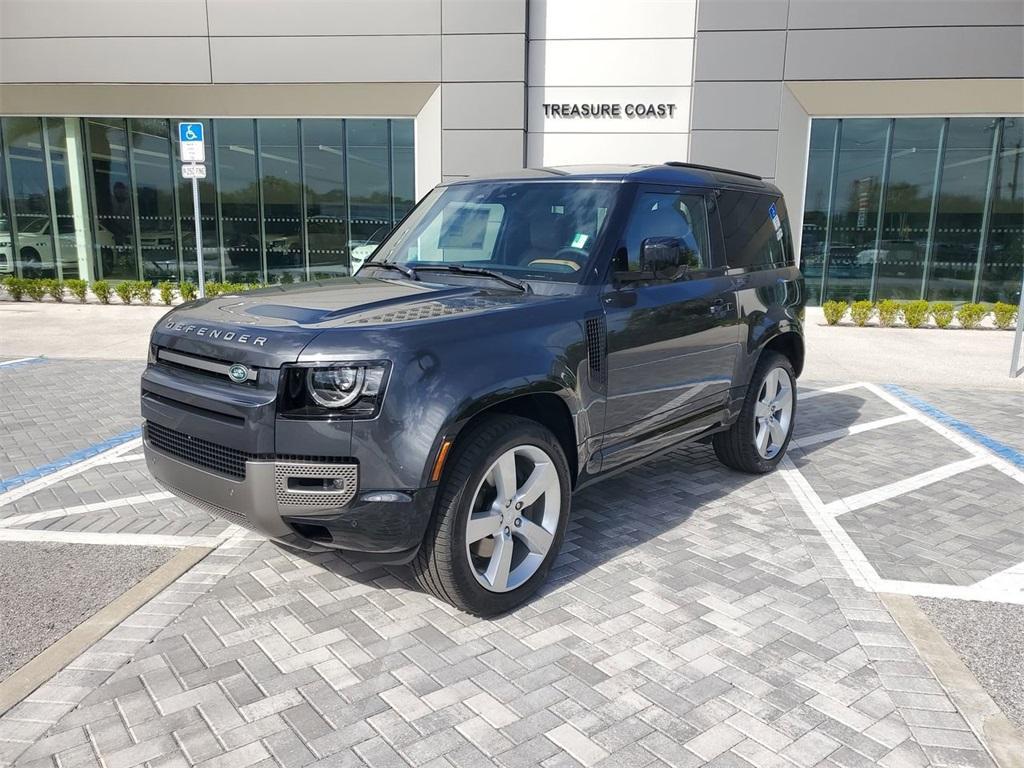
(271, 326)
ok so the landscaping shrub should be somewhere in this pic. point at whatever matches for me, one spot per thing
(125, 291)
(15, 287)
(101, 289)
(834, 311)
(942, 313)
(35, 289)
(56, 289)
(861, 311)
(143, 291)
(888, 312)
(78, 289)
(1005, 314)
(187, 291)
(214, 288)
(166, 292)
(915, 313)
(286, 278)
(971, 315)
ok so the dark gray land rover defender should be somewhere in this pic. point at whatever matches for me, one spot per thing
(513, 340)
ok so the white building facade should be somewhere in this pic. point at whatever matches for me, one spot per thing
(894, 128)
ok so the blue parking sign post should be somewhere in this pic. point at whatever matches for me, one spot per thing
(192, 149)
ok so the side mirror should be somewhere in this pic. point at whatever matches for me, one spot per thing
(663, 257)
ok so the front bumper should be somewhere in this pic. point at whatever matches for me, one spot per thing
(298, 503)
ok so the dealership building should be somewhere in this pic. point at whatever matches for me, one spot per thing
(895, 129)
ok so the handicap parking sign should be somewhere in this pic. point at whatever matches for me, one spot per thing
(190, 132)
(190, 136)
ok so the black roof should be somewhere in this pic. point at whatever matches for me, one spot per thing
(673, 172)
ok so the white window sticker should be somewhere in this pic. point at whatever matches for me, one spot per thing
(579, 241)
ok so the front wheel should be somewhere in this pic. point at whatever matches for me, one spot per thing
(758, 439)
(500, 517)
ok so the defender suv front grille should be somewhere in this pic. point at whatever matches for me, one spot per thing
(202, 453)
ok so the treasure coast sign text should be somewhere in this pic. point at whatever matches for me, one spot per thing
(610, 110)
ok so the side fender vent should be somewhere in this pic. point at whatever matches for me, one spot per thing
(597, 343)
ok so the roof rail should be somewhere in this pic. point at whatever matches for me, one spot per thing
(678, 164)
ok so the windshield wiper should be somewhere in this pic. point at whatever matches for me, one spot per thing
(459, 269)
(407, 271)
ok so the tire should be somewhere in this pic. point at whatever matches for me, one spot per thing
(738, 446)
(455, 570)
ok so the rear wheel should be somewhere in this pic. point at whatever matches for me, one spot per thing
(758, 439)
(500, 517)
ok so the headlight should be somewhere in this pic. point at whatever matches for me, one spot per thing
(349, 390)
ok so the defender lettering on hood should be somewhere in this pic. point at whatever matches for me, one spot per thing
(216, 333)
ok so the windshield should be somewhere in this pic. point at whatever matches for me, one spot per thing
(528, 229)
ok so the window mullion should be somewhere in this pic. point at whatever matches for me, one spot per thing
(883, 189)
(986, 216)
(933, 213)
(837, 136)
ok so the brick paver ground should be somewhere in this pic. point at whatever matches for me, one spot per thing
(695, 616)
(54, 407)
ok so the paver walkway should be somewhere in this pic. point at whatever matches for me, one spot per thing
(695, 616)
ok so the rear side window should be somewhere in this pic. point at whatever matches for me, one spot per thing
(753, 240)
(663, 214)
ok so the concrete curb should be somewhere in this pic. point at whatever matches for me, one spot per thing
(51, 661)
(1002, 740)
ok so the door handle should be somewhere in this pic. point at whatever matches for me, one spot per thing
(720, 307)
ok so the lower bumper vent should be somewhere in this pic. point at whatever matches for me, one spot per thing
(229, 462)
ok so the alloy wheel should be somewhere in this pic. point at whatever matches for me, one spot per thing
(773, 413)
(513, 518)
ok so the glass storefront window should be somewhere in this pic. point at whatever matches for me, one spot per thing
(816, 204)
(903, 244)
(369, 183)
(1004, 252)
(961, 203)
(281, 185)
(285, 199)
(402, 168)
(153, 173)
(114, 216)
(854, 220)
(238, 188)
(6, 234)
(919, 208)
(326, 200)
(34, 250)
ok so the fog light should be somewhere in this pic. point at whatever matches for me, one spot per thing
(385, 496)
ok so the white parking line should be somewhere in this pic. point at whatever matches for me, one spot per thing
(857, 565)
(807, 394)
(123, 539)
(952, 435)
(856, 429)
(900, 487)
(1007, 586)
(54, 477)
(81, 509)
(19, 360)
(120, 459)
(1010, 578)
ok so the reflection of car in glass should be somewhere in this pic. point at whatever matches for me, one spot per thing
(361, 250)
(34, 252)
(842, 261)
(512, 341)
(6, 252)
(892, 252)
